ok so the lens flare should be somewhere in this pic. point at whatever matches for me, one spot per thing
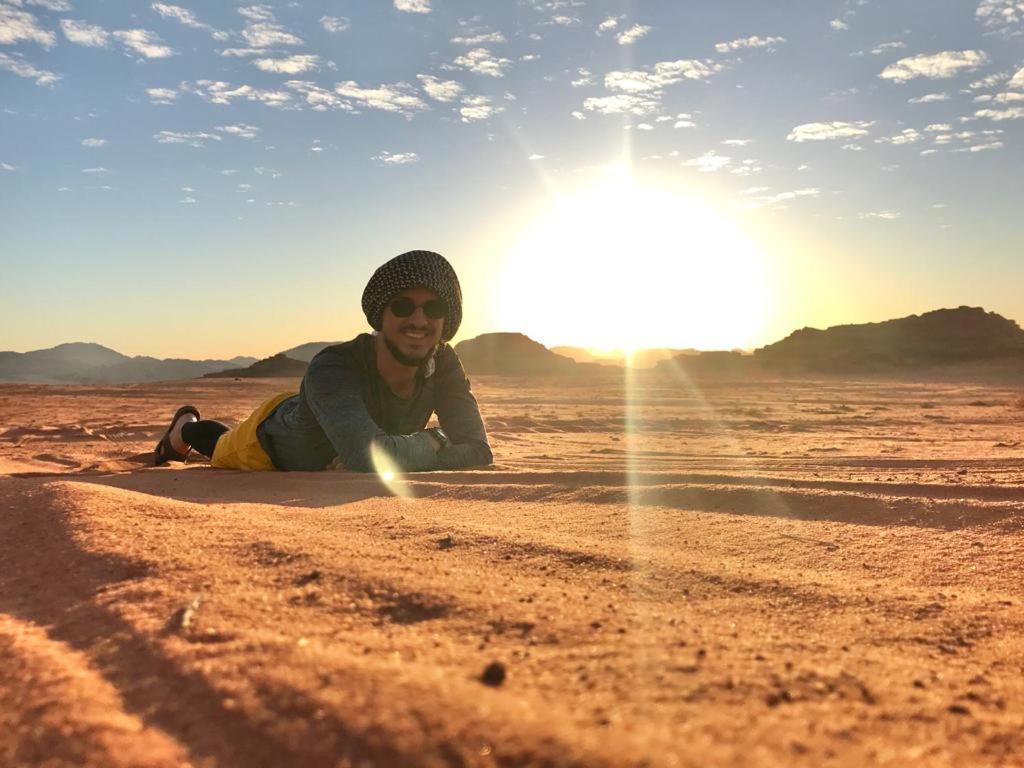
(389, 473)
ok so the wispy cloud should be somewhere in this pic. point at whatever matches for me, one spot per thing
(191, 138)
(144, 43)
(482, 62)
(1001, 16)
(262, 30)
(661, 75)
(94, 143)
(633, 34)
(1011, 113)
(413, 6)
(771, 43)
(186, 17)
(162, 95)
(7, 167)
(477, 108)
(440, 90)
(906, 136)
(893, 46)
(622, 103)
(241, 130)
(834, 129)
(83, 33)
(289, 65)
(223, 93)
(396, 158)
(935, 66)
(779, 198)
(929, 98)
(709, 162)
(479, 38)
(22, 68)
(17, 26)
(608, 25)
(400, 98)
(334, 24)
(883, 215)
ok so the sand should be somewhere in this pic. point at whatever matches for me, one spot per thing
(748, 573)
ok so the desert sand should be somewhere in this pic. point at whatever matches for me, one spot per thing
(765, 573)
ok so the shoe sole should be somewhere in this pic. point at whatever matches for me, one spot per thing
(167, 433)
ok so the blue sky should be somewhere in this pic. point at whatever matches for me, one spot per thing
(216, 179)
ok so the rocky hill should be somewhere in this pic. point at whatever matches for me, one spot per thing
(277, 367)
(513, 354)
(88, 363)
(937, 338)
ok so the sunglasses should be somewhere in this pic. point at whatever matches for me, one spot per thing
(403, 306)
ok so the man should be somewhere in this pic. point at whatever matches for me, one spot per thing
(363, 404)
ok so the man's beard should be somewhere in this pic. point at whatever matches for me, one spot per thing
(404, 359)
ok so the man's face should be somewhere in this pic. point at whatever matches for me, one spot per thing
(412, 339)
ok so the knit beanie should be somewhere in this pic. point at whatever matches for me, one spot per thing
(409, 270)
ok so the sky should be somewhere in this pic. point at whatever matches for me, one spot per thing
(216, 179)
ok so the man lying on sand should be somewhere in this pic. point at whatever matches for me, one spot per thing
(365, 402)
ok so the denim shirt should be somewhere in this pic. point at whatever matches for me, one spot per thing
(343, 407)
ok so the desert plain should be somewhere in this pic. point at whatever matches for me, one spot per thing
(655, 572)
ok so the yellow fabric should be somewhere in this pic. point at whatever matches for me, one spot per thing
(239, 448)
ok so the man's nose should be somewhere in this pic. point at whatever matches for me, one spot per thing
(419, 316)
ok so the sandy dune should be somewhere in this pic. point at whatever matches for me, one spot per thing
(755, 573)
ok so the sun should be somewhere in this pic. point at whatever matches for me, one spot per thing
(622, 265)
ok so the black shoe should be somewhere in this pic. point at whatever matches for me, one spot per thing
(164, 452)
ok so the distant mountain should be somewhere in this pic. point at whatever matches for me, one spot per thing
(306, 352)
(716, 363)
(641, 358)
(940, 337)
(92, 363)
(277, 367)
(513, 354)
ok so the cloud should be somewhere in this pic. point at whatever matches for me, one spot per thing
(907, 136)
(320, 99)
(663, 74)
(440, 90)
(144, 43)
(17, 25)
(938, 127)
(191, 138)
(781, 197)
(82, 33)
(60, 6)
(936, 66)
(736, 142)
(400, 98)
(1011, 113)
(290, 65)
(894, 46)
(261, 171)
(6, 167)
(834, 129)
(335, 23)
(535, 156)
(1001, 16)
(162, 95)
(684, 120)
(396, 158)
(709, 162)
(22, 68)
(929, 98)
(413, 6)
(621, 103)
(241, 130)
(1017, 81)
(95, 143)
(607, 25)
(479, 38)
(100, 169)
(186, 17)
(220, 92)
(749, 42)
(883, 215)
(483, 62)
(633, 34)
(838, 25)
(477, 108)
(257, 12)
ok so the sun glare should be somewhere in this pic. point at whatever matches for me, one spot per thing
(620, 265)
